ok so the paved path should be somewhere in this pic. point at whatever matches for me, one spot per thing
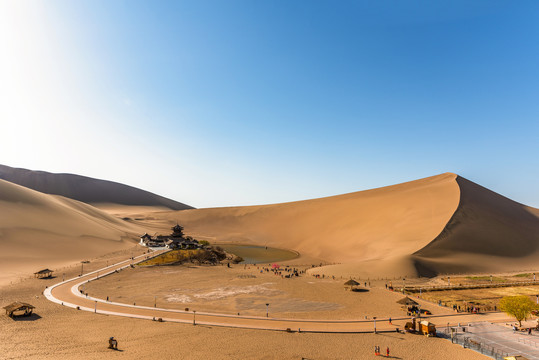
(67, 293)
(504, 338)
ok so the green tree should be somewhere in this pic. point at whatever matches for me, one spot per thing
(519, 307)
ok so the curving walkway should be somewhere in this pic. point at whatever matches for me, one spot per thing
(67, 293)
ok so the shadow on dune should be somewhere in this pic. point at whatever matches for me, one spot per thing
(485, 224)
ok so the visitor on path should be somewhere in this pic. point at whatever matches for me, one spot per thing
(387, 351)
(390, 323)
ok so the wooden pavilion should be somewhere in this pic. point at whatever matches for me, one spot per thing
(350, 284)
(19, 309)
(43, 274)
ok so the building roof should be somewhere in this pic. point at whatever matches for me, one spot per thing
(351, 282)
(17, 306)
(407, 301)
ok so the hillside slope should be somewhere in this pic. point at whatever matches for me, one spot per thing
(487, 232)
(86, 189)
(441, 224)
(39, 230)
(387, 223)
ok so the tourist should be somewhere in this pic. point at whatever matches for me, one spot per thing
(113, 343)
(387, 351)
(390, 323)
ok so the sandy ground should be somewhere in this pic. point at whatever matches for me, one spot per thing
(58, 332)
(244, 289)
(443, 222)
(40, 231)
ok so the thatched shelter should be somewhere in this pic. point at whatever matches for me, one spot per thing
(42, 274)
(19, 309)
(407, 301)
(350, 284)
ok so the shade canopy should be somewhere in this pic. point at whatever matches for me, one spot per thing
(44, 271)
(351, 282)
(407, 301)
(18, 306)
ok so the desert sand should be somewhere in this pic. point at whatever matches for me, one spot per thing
(441, 224)
(58, 332)
(39, 230)
(436, 225)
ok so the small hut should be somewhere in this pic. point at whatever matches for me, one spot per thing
(427, 328)
(350, 284)
(19, 309)
(43, 274)
(407, 302)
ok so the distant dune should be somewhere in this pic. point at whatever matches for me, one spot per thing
(39, 230)
(441, 224)
(86, 189)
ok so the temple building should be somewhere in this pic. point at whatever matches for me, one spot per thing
(176, 240)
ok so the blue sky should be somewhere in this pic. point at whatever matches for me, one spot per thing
(218, 103)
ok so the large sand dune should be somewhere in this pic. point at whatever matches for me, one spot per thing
(441, 224)
(86, 189)
(487, 232)
(39, 230)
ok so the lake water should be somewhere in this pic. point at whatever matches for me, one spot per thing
(253, 254)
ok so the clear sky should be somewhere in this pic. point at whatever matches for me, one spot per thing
(218, 103)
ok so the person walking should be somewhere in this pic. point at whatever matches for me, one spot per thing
(390, 323)
(387, 351)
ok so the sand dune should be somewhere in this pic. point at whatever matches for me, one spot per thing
(441, 224)
(389, 223)
(488, 231)
(39, 230)
(85, 189)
